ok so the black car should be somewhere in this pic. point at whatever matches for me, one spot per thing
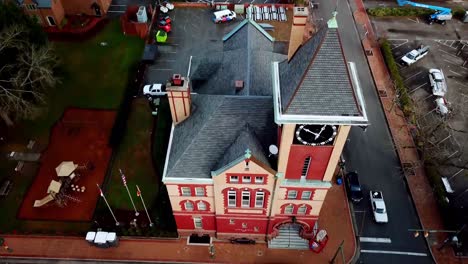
(354, 187)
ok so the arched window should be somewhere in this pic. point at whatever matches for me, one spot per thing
(201, 206)
(288, 209)
(188, 206)
(302, 209)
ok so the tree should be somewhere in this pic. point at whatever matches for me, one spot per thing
(27, 65)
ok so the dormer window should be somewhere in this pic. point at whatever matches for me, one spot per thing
(246, 179)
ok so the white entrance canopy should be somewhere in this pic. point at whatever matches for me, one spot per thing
(65, 168)
(54, 187)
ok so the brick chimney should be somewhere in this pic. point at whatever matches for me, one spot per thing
(300, 14)
(178, 93)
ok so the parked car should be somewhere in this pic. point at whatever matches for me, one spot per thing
(442, 106)
(163, 9)
(164, 17)
(164, 26)
(354, 187)
(223, 16)
(378, 207)
(438, 84)
(168, 5)
(415, 55)
(153, 90)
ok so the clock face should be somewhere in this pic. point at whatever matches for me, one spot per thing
(315, 135)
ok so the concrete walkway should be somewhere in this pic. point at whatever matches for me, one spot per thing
(419, 186)
(334, 218)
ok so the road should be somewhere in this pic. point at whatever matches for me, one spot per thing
(372, 155)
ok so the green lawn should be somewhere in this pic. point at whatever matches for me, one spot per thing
(134, 158)
(93, 76)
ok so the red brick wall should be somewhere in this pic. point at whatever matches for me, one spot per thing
(320, 156)
(243, 226)
(74, 7)
(185, 222)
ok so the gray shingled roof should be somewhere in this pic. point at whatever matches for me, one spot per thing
(247, 56)
(216, 122)
(245, 140)
(316, 80)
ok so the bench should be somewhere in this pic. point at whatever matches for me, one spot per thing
(5, 188)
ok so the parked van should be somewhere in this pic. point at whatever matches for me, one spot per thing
(224, 16)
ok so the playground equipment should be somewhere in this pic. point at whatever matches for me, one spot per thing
(441, 15)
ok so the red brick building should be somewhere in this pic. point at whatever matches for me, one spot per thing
(257, 137)
(52, 12)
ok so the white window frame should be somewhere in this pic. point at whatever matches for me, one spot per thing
(233, 193)
(185, 193)
(233, 178)
(259, 179)
(188, 208)
(286, 209)
(197, 222)
(291, 196)
(306, 197)
(201, 206)
(197, 193)
(257, 196)
(246, 179)
(245, 194)
(301, 210)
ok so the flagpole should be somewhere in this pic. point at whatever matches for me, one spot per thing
(108, 206)
(128, 191)
(144, 205)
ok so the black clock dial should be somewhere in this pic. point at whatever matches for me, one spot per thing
(315, 135)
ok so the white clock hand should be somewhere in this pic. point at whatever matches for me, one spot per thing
(313, 133)
(320, 132)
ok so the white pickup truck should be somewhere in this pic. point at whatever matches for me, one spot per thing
(153, 90)
(414, 55)
(378, 207)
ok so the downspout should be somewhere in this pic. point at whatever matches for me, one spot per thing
(279, 174)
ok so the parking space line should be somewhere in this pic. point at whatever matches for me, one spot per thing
(375, 240)
(422, 85)
(394, 252)
(159, 69)
(451, 62)
(455, 73)
(414, 75)
(448, 53)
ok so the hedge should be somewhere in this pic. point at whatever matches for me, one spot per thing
(403, 96)
(398, 11)
(457, 12)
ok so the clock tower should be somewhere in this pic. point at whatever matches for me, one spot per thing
(317, 99)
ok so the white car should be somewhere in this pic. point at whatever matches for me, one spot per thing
(153, 90)
(438, 84)
(378, 207)
(442, 106)
(415, 55)
(164, 9)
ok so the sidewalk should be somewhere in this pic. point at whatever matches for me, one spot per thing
(419, 186)
(334, 217)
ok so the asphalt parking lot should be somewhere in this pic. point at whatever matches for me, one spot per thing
(447, 136)
(193, 34)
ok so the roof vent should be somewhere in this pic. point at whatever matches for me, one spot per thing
(239, 85)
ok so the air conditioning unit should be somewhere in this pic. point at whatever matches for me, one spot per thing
(141, 15)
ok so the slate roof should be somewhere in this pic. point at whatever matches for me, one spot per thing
(245, 140)
(248, 51)
(217, 127)
(316, 80)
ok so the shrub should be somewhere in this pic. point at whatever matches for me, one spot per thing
(398, 11)
(403, 96)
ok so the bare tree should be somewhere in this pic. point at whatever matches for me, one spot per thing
(25, 80)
